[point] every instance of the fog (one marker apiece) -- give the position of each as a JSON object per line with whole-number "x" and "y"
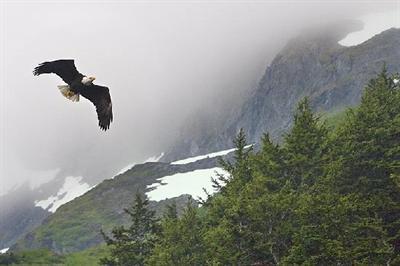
{"x": 163, "y": 62}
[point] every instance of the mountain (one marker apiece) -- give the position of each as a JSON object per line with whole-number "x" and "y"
{"x": 313, "y": 65}
{"x": 25, "y": 207}
{"x": 18, "y": 215}
{"x": 76, "y": 225}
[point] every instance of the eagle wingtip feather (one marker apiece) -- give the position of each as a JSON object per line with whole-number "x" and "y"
{"x": 39, "y": 69}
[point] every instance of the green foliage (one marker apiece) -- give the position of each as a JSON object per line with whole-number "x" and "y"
{"x": 335, "y": 229}
{"x": 226, "y": 217}
{"x": 32, "y": 257}
{"x": 368, "y": 145}
{"x": 334, "y": 119}
{"x": 239, "y": 169}
{"x": 87, "y": 257}
{"x": 132, "y": 245}
{"x": 181, "y": 241}
{"x": 305, "y": 147}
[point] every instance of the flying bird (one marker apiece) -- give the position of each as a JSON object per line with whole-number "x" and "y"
{"x": 79, "y": 84}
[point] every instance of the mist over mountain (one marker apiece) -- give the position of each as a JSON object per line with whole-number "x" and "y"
{"x": 312, "y": 65}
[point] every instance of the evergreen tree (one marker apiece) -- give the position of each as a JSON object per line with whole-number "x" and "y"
{"x": 269, "y": 161}
{"x": 171, "y": 212}
{"x": 239, "y": 171}
{"x": 181, "y": 241}
{"x": 270, "y": 210}
{"x": 338, "y": 217}
{"x": 132, "y": 245}
{"x": 279, "y": 173}
{"x": 305, "y": 147}
{"x": 336, "y": 230}
{"x": 368, "y": 148}
{"x": 227, "y": 238}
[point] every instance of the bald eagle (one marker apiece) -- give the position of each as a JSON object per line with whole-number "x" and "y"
{"x": 79, "y": 84}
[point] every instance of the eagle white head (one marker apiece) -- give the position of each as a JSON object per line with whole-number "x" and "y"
{"x": 88, "y": 80}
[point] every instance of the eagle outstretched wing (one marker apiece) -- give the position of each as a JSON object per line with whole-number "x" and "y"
{"x": 64, "y": 68}
{"x": 101, "y": 98}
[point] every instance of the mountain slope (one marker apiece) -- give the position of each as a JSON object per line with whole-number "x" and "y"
{"x": 76, "y": 225}
{"x": 18, "y": 215}
{"x": 25, "y": 207}
{"x": 312, "y": 65}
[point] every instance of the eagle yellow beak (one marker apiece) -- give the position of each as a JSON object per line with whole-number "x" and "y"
{"x": 92, "y": 78}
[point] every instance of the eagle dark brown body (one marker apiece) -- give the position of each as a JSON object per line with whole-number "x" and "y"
{"x": 79, "y": 84}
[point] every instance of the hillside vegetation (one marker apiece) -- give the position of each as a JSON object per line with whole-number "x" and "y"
{"x": 76, "y": 225}
{"x": 88, "y": 257}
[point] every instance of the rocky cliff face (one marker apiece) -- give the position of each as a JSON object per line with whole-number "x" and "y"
{"x": 313, "y": 65}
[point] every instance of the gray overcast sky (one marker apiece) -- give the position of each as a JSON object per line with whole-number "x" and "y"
{"x": 162, "y": 61}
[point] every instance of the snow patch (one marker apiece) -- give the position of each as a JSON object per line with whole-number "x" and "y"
{"x": 184, "y": 183}
{"x": 71, "y": 189}
{"x": 373, "y": 24}
{"x": 210, "y": 155}
{"x": 4, "y": 250}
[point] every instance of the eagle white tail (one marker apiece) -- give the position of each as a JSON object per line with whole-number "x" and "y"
{"x": 68, "y": 93}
